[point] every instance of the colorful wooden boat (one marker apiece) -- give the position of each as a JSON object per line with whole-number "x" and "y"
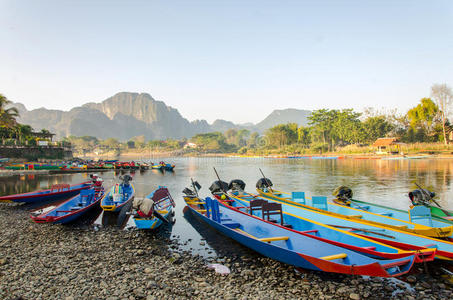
{"x": 291, "y": 247}
{"x": 73, "y": 208}
{"x": 161, "y": 212}
{"x": 169, "y": 167}
{"x": 157, "y": 167}
{"x": 385, "y": 233}
{"x": 119, "y": 195}
{"x": 438, "y": 214}
{"x": 56, "y": 192}
{"x": 325, "y": 233}
{"x": 386, "y": 219}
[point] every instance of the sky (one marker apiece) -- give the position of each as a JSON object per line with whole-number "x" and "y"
{"x": 233, "y": 59}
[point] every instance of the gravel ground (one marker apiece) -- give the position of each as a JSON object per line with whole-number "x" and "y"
{"x": 58, "y": 262}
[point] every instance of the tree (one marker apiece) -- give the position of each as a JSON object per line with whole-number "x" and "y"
{"x": 283, "y": 134}
{"x": 376, "y": 127}
{"x": 347, "y": 127}
{"x": 443, "y": 96}
{"x": 303, "y": 136}
{"x": 23, "y": 131}
{"x": 322, "y": 122}
{"x": 423, "y": 116}
{"x": 7, "y": 115}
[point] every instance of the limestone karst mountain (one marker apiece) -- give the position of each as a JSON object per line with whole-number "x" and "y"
{"x": 126, "y": 115}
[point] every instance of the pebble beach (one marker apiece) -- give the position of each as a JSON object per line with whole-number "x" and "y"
{"x": 62, "y": 262}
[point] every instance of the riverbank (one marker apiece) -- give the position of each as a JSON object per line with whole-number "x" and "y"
{"x": 59, "y": 262}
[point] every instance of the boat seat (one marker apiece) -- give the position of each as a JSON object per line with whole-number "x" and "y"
{"x": 273, "y": 239}
{"x": 319, "y": 202}
{"x": 270, "y": 209}
{"x": 421, "y": 212}
{"x": 232, "y": 225}
{"x": 256, "y": 204}
{"x": 335, "y": 256}
{"x": 298, "y": 197}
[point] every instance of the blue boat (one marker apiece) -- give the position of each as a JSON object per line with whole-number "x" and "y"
{"x": 73, "y": 208}
{"x": 251, "y": 205}
{"x": 159, "y": 211}
{"x": 396, "y": 220}
{"x": 381, "y": 233}
{"x": 56, "y": 192}
{"x": 119, "y": 195}
{"x": 169, "y": 167}
{"x": 291, "y": 247}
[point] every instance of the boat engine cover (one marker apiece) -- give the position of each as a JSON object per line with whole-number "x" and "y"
{"x": 263, "y": 183}
{"x": 236, "y": 185}
{"x": 218, "y": 187}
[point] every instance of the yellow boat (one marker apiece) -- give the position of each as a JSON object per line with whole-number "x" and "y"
{"x": 391, "y": 236}
{"x": 364, "y": 217}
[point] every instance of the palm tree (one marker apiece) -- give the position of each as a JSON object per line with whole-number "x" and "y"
{"x": 23, "y": 132}
{"x": 7, "y": 115}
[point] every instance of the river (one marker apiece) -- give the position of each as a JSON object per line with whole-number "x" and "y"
{"x": 380, "y": 181}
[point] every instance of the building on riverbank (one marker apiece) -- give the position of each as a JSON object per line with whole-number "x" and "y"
{"x": 387, "y": 145}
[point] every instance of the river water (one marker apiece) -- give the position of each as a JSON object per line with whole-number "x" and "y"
{"x": 380, "y": 181}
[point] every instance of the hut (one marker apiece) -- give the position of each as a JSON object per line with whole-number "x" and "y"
{"x": 386, "y": 145}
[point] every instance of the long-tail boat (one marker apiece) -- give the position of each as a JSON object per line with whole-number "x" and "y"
{"x": 289, "y": 246}
{"x": 158, "y": 210}
{"x": 439, "y": 215}
{"x": 56, "y": 192}
{"x": 236, "y": 199}
{"x": 391, "y": 236}
{"x": 438, "y": 228}
{"x": 73, "y": 208}
{"x": 119, "y": 195}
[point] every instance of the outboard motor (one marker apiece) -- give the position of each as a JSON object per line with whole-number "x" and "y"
{"x": 236, "y": 185}
{"x": 218, "y": 187}
{"x": 343, "y": 195}
{"x": 264, "y": 183}
{"x": 125, "y": 179}
{"x": 192, "y": 192}
{"x": 421, "y": 197}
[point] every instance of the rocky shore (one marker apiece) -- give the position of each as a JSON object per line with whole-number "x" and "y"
{"x": 59, "y": 262}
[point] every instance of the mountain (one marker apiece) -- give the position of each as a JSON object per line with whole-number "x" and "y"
{"x": 284, "y": 116}
{"x": 126, "y": 115}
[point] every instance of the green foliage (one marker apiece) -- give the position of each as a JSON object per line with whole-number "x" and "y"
{"x": 376, "y": 127}
{"x": 212, "y": 142}
{"x": 282, "y": 135}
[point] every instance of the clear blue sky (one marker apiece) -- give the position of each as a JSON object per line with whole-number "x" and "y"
{"x": 235, "y": 60}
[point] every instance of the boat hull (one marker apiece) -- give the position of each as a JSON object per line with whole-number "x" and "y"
{"x": 46, "y": 195}
{"x": 279, "y": 249}
{"x": 440, "y": 229}
{"x": 65, "y": 212}
{"x": 336, "y": 236}
{"x": 357, "y": 226}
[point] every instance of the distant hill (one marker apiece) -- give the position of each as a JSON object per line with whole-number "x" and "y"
{"x": 284, "y": 116}
{"x": 126, "y": 115}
